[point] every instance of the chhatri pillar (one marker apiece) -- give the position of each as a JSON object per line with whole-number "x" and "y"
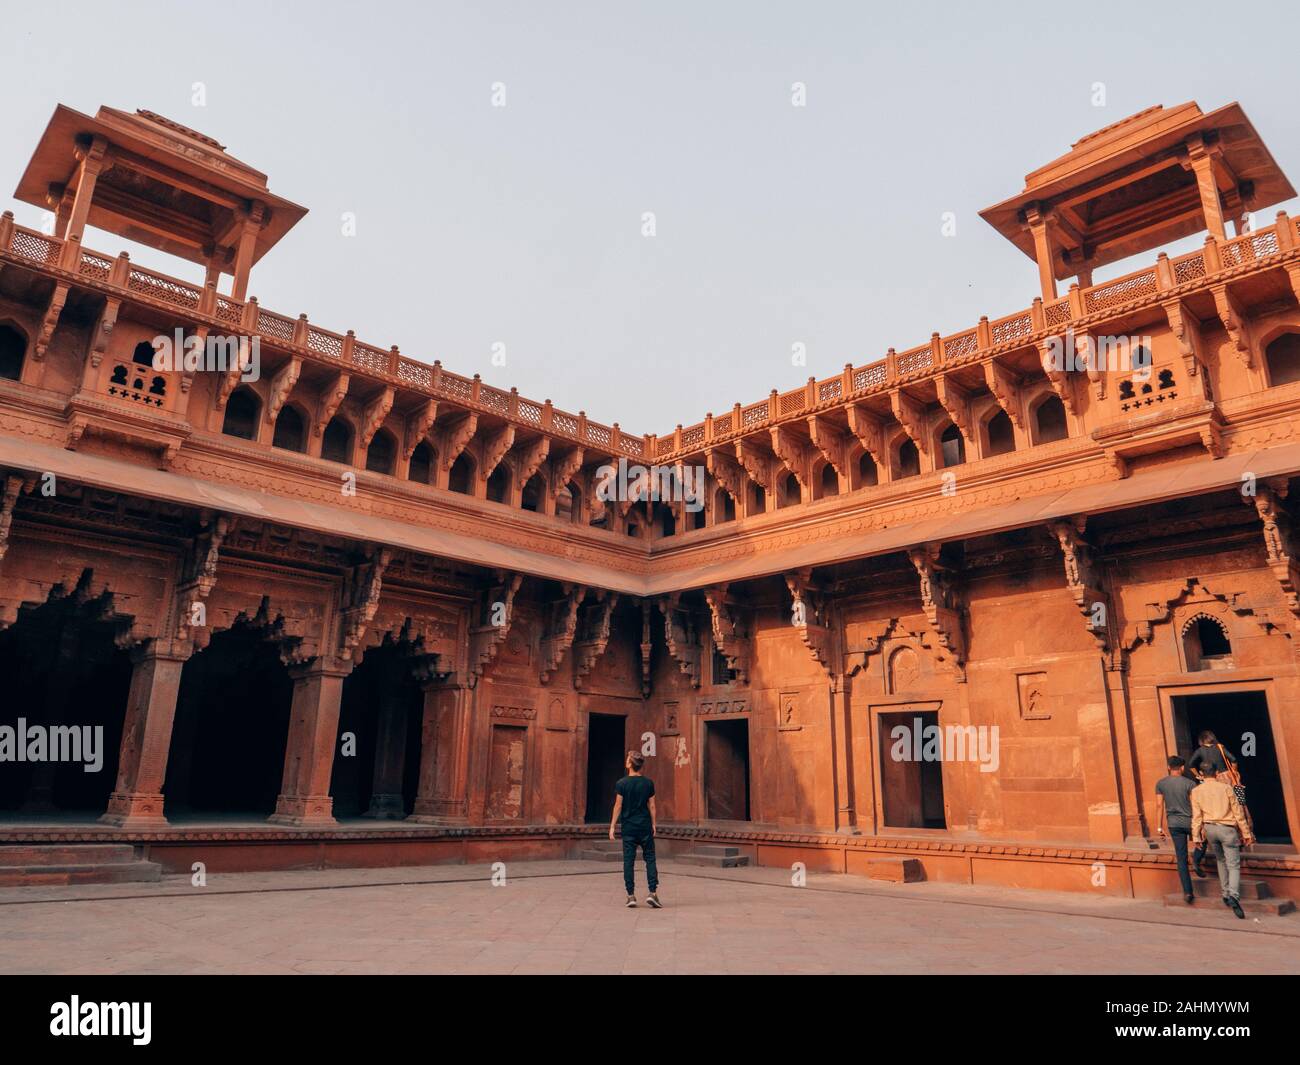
{"x": 250, "y": 225}
{"x": 1038, "y": 226}
{"x": 147, "y": 734}
{"x": 1200, "y": 160}
{"x": 309, "y": 753}
{"x": 90, "y": 161}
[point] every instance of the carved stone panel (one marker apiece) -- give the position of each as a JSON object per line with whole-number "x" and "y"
{"x": 1035, "y": 704}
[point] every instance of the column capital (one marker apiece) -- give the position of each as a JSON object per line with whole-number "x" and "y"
{"x": 167, "y": 650}
{"x": 321, "y": 666}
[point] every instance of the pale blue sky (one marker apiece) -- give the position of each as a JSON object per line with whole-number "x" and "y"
{"x": 522, "y": 225}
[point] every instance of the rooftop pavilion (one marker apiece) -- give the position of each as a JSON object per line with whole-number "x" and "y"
{"x": 1152, "y": 178}
{"x": 161, "y": 184}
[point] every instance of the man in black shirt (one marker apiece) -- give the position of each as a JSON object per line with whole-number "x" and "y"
{"x": 634, "y": 806}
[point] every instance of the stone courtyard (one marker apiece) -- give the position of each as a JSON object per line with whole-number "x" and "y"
{"x": 569, "y": 917}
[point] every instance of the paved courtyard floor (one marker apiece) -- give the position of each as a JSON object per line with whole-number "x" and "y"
{"x": 568, "y": 917}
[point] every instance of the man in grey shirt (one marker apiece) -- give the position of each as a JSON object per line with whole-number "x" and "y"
{"x": 1175, "y": 794}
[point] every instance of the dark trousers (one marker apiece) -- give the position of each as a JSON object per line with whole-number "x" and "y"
{"x": 1180, "y": 836}
{"x": 643, "y": 838}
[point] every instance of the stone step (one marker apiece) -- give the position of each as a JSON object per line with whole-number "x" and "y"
{"x": 601, "y": 855}
{"x": 1265, "y": 907}
{"x": 896, "y": 870}
{"x": 106, "y": 873}
{"x": 1208, "y": 887}
{"x": 717, "y": 849}
{"x": 714, "y": 861}
{"x": 28, "y": 855}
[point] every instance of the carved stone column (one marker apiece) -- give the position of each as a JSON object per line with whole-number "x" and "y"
{"x": 147, "y": 735}
{"x": 442, "y": 794}
{"x": 842, "y": 753}
{"x": 309, "y": 753}
{"x": 386, "y": 801}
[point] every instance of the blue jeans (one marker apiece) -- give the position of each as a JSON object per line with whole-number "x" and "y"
{"x": 1179, "y": 837}
{"x": 643, "y": 838}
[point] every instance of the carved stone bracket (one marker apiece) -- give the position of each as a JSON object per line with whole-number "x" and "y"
{"x": 418, "y": 424}
{"x": 372, "y": 417}
{"x": 231, "y": 376}
{"x": 1005, "y": 386}
{"x": 646, "y": 646}
{"x": 596, "y": 627}
{"x": 940, "y": 604}
{"x": 563, "y": 468}
{"x": 681, "y": 637}
{"x": 562, "y": 631}
{"x": 14, "y": 485}
{"x": 1081, "y": 576}
{"x": 758, "y": 464}
{"x": 331, "y": 398}
{"x": 1057, "y": 376}
{"x": 831, "y": 442}
{"x": 49, "y": 320}
{"x": 910, "y": 413}
{"x": 495, "y": 448}
{"x": 454, "y": 438}
{"x": 810, "y": 616}
{"x": 869, "y": 430}
{"x": 728, "y": 633}
{"x": 795, "y": 456}
{"x": 1278, "y": 540}
{"x": 281, "y": 386}
{"x": 360, "y": 600}
{"x": 956, "y": 401}
{"x": 1186, "y": 327}
{"x": 103, "y": 331}
{"x": 727, "y": 472}
{"x": 530, "y": 459}
{"x": 1236, "y": 323}
{"x": 198, "y": 577}
{"x": 486, "y": 640}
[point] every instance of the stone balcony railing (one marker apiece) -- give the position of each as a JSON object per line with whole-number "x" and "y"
{"x": 120, "y": 278}
{"x": 1167, "y": 278}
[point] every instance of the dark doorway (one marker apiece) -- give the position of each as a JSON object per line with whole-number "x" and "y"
{"x": 1240, "y": 721}
{"x": 379, "y": 734}
{"x": 911, "y": 786}
{"x": 231, "y": 727}
{"x": 63, "y": 671}
{"x": 605, "y": 755}
{"x": 726, "y": 770}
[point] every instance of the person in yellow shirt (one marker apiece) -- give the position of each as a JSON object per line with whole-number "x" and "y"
{"x": 1219, "y": 822}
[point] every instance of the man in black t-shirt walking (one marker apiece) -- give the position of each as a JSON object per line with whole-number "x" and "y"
{"x": 634, "y": 807}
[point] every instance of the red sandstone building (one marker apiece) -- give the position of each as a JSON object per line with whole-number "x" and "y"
{"x": 365, "y": 610}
